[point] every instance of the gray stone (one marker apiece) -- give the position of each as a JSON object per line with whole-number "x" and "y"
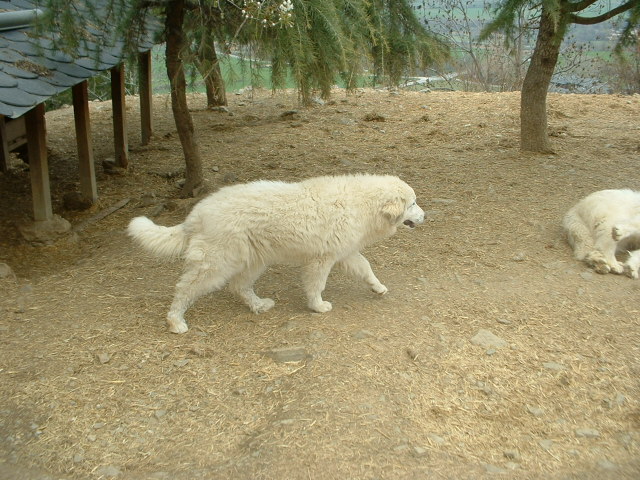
{"x": 546, "y": 444}
{"x": 519, "y": 257}
{"x": 587, "y": 433}
{"x": 45, "y": 231}
{"x": 76, "y": 201}
{"x": 535, "y": 411}
{"x": 287, "y": 354}
{"x": 362, "y": 334}
{"x": 512, "y": 455}
{"x": 103, "y": 357}
{"x": 486, "y": 339}
{"x": 436, "y": 439}
{"x": 6, "y": 272}
{"x": 607, "y": 465}
{"x": 419, "y": 451}
{"x": 108, "y": 471}
{"x": 493, "y": 468}
{"x": 553, "y": 366}
{"x": 586, "y": 276}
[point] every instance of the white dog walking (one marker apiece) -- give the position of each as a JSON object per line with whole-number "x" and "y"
{"x": 603, "y": 225}
{"x": 234, "y": 234}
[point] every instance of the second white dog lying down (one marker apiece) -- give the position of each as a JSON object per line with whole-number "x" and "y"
{"x": 603, "y": 225}
{"x": 235, "y": 233}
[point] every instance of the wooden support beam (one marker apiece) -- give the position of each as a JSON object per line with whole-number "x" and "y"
{"x": 121, "y": 143}
{"x": 146, "y": 96}
{"x": 38, "y": 163}
{"x": 88, "y": 188}
{"x": 4, "y": 148}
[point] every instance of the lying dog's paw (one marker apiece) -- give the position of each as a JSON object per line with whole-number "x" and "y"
{"x": 380, "y": 289}
{"x": 617, "y": 268}
{"x": 631, "y": 272}
{"x": 596, "y": 260}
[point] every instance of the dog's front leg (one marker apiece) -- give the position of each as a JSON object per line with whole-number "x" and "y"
{"x": 358, "y": 266}
{"x": 314, "y": 279}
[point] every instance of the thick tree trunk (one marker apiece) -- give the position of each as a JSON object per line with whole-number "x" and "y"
{"x": 182, "y": 117}
{"x": 209, "y": 67}
{"x": 533, "y": 101}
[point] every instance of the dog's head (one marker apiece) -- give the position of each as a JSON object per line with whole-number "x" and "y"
{"x": 401, "y": 208}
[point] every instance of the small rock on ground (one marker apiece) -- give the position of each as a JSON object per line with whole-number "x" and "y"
{"x": 487, "y": 339}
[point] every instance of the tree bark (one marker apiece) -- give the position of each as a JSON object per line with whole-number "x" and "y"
{"x": 174, "y": 19}
{"x": 533, "y": 100}
{"x": 209, "y": 67}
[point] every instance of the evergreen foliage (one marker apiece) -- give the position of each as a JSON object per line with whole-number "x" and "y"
{"x": 565, "y": 12}
{"x": 315, "y": 42}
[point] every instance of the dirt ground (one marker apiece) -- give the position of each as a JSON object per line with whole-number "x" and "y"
{"x": 93, "y": 385}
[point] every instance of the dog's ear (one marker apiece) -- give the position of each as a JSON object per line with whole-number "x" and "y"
{"x": 393, "y": 209}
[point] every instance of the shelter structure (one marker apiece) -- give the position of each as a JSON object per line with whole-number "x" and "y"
{"x": 32, "y": 70}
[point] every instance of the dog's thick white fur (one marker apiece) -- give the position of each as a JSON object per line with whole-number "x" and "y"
{"x": 235, "y": 233}
{"x": 603, "y": 225}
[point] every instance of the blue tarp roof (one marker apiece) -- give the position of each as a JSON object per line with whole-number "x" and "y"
{"x": 32, "y": 70}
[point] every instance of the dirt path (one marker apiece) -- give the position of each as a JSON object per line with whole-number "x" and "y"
{"x": 93, "y": 386}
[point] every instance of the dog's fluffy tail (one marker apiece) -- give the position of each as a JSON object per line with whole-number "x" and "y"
{"x": 167, "y": 242}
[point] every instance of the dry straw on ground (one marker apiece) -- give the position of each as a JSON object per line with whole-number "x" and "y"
{"x": 93, "y": 386}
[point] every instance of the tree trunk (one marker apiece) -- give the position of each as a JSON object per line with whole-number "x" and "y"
{"x": 182, "y": 117}
{"x": 209, "y": 68}
{"x": 533, "y": 100}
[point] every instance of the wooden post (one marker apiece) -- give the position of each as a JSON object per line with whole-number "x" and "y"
{"x": 38, "y": 163}
{"x": 88, "y": 188}
{"x": 121, "y": 143}
{"x": 146, "y": 96}
{"x": 4, "y": 149}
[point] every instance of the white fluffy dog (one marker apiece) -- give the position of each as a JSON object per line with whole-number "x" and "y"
{"x": 603, "y": 225}
{"x": 235, "y": 233}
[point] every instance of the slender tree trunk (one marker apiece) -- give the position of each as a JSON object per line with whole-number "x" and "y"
{"x": 533, "y": 101}
{"x": 182, "y": 117}
{"x": 209, "y": 67}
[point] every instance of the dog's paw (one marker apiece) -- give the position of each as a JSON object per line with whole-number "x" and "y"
{"x": 321, "y": 307}
{"x": 617, "y": 267}
{"x": 596, "y": 260}
{"x": 178, "y": 327}
{"x": 631, "y": 271}
{"x": 262, "y": 305}
{"x": 379, "y": 289}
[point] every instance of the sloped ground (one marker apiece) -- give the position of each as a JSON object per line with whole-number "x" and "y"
{"x": 93, "y": 386}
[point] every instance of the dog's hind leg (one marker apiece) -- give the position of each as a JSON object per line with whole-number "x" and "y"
{"x": 314, "y": 280}
{"x": 358, "y": 266}
{"x": 606, "y": 245}
{"x": 198, "y": 279}
{"x": 242, "y": 285}
{"x": 579, "y": 236}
